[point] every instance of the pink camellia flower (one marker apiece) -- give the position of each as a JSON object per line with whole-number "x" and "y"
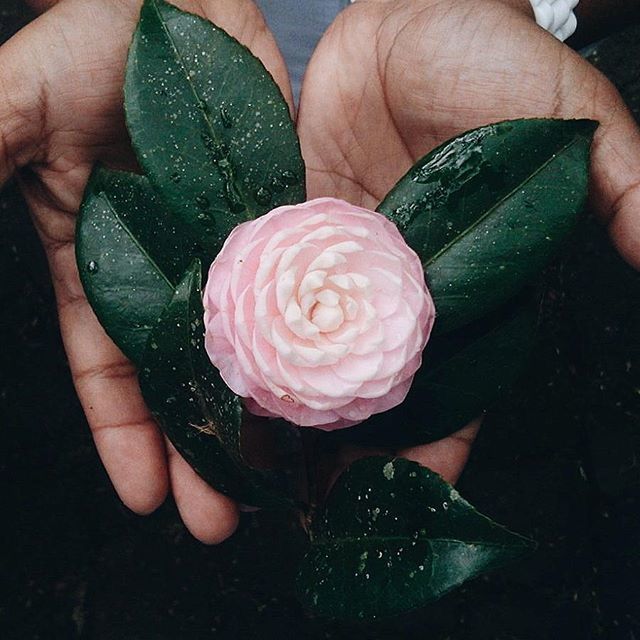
{"x": 317, "y": 313}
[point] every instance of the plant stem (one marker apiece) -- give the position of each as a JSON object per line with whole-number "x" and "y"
{"x": 311, "y": 445}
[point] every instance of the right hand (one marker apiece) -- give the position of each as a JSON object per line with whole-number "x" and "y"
{"x": 392, "y": 79}
{"x": 61, "y": 111}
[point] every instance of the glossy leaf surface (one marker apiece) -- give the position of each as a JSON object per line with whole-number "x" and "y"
{"x": 487, "y": 210}
{"x": 197, "y": 411}
{"x": 394, "y": 536}
{"x": 130, "y": 256}
{"x": 208, "y": 123}
{"x": 464, "y": 374}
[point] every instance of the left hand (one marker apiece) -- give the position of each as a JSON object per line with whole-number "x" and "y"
{"x": 61, "y": 111}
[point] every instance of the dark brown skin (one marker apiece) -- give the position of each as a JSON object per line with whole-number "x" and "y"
{"x": 390, "y": 80}
{"x": 61, "y": 83}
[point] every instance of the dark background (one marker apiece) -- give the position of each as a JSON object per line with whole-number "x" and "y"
{"x": 558, "y": 460}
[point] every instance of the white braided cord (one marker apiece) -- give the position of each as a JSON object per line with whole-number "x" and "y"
{"x": 556, "y": 16}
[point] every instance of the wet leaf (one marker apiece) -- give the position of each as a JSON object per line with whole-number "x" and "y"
{"x": 197, "y": 411}
{"x": 464, "y": 373}
{"x": 130, "y": 256}
{"x": 209, "y": 125}
{"x": 394, "y": 536}
{"x": 472, "y": 377}
{"x": 487, "y": 210}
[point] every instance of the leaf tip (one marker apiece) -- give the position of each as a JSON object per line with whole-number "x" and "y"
{"x": 586, "y": 126}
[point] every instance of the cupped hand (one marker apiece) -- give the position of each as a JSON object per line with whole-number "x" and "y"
{"x": 61, "y": 111}
{"x": 391, "y": 79}
{"x": 388, "y": 82}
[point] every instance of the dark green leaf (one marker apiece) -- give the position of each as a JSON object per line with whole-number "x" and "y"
{"x": 209, "y": 125}
{"x": 464, "y": 373}
{"x": 197, "y": 411}
{"x": 394, "y": 536}
{"x": 130, "y": 256}
{"x": 486, "y": 211}
{"x": 461, "y": 387}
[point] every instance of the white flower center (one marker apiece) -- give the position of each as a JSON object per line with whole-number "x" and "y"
{"x": 327, "y": 317}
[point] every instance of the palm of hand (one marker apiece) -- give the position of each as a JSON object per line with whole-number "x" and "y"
{"x": 392, "y": 79}
{"x": 386, "y": 84}
{"x": 67, "y": 108}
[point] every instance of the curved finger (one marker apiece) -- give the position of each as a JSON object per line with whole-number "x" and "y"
{"x": 210, "y": 516}
{"x": 528, "y": 74}
{"x": 126, "y": 435}
{"x": 624, "y": 227}
{"x": 615, "y": 157}
{"x": 447, "y": 456}
{"x": 40, "y": 6}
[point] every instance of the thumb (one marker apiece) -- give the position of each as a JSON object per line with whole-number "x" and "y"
{"x": 615, "y": 159}
{"x": 616, "y": 182}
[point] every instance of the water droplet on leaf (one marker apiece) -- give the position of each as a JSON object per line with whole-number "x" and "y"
{"x": 277, "y": 185}
{"x": 202, "y": 201}
{"x": 289, "y": 178}
{"x": 233, "y": 198}
{"x": 225, "y": 116}
{"x": 404, "y": 213}
{"x": 263, "y": 196}
{"x": 202, "y": 105}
